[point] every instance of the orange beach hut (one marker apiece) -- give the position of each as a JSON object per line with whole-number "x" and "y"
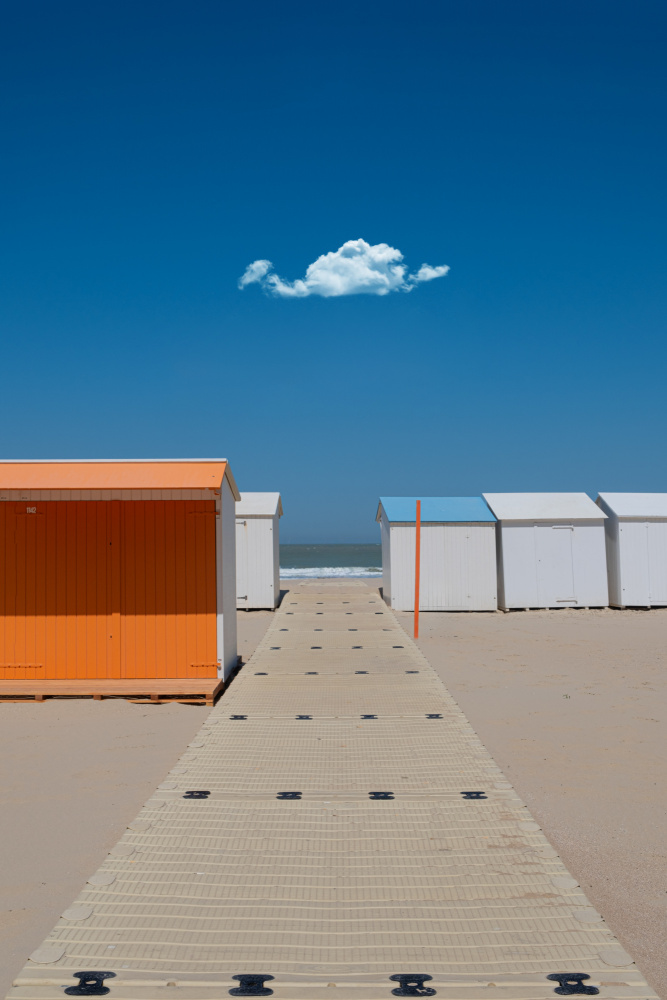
{"x": 117, "y": 577}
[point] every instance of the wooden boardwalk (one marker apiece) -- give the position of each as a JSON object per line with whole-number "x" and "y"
{"x": 338, "y": 830}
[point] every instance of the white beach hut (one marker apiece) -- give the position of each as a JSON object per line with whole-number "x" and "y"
{"x": 551, "y": 550}
{"x": 636, "y": 536}
{"x": 457, "y": 554}
{"x": 257, "y": 550}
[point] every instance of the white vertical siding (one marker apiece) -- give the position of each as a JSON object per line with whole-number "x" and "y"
{"x": 258, "y": 573}
{"x": 519, "y": 565}
{"x": 636, "y": 557}
{"x": 458, "y": 567}
{"x": 402, "y": 541}
{"x": 500, "y": 575}
{"x": 276, "y": 561}
{"x": 634, "y": 563}
{"x": 590, "y": 564}
{"x": 657, "y": 554}
{"x": 551, "y": 564}
{"x": 385, "y": 537}
{"x": 554, "y": 550}
{"x": 227, "y": 644}
{"x": 241, "y": 563}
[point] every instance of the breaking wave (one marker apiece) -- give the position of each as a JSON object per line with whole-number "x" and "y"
{"x": 317, "y": 572}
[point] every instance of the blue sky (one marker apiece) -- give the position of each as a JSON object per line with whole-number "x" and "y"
{"x": 152, "y": 150}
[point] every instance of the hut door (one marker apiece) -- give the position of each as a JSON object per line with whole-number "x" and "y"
{"x": 168, "y": 614}
{"x": 657, "y": 561}
{"x": 242, "y": 564}
{"x": 555, "y": 570}
{"x": 58, "y": 591}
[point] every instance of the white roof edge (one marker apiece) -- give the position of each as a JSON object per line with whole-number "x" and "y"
{"x": 231, "y": 481}
{"x": 260, "y": 504}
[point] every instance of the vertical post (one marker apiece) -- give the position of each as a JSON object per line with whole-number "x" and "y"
{"x": 418, "y": 531}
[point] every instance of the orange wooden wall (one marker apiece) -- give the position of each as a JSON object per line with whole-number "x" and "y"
{"x": 108, "y": 589}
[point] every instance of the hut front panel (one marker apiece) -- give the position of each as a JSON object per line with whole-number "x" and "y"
{"x": 167, "y": 614}
{"x": 457, "y": 571}
{"x": 255, "y": 562}
{"x": 551, "y": 564}
{"x": 242, "y": 590}
{"x": 58, "y": 593}
{"x": 458, "y": 567}
{"x": 589, "y": 558}
{"x": 95, "y": 589}
{"x": 554, "y": 564}
{"x": 518, "y": 563}
{"x": 402, "y": 567}
{"x": 633, "y": 583}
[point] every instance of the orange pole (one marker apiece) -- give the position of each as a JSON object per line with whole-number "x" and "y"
{"x": 418, "y": 532}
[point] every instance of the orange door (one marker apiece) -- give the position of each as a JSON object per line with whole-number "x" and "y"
{"x": 107, "y": 589}
{"x": 168, "y": 589}
{"x": 54, "y": 601}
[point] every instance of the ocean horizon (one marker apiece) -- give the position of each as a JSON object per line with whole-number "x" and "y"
{"x": 335, "y": 560}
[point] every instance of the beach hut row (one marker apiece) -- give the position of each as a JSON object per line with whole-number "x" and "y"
{"x": 525, "y": 550}
{"x": 116, "y": 573}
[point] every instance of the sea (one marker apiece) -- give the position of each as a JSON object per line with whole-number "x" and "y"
{"x": 314, "y": 561}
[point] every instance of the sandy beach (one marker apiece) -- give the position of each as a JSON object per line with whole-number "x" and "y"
{"x": 573, "y": 704}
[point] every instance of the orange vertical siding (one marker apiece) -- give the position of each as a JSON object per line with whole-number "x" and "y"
{"x": 107, "y": 589}
{"x": 168, "y": 610}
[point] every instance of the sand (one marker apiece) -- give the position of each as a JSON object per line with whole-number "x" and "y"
{"x": 573, "y": 704}
{"x": 73, "y": 773}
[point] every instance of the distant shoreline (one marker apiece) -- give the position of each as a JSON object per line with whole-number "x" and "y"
{"x": 320, "y": 573}
{"x": 337, "y": 561}
{"x": 299, "y": 579}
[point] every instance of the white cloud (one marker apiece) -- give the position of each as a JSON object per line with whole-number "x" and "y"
{"x": 356, "y": 268}
{"x": 428, "y": 273}
{"x": 255, "y": 272}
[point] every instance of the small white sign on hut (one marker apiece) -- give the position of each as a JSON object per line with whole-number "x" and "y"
{"x": 457, "y": 554}
{"x": 258, "y": 550}
{"x": 551, "y": 550}
{"x": 636, "y": 535}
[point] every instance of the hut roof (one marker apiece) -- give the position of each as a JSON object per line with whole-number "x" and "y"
{"x": 435, "y": 509}
{"x": 259, "y": 505}
{"x": 636, "y": 504}
{"x": 543, "y": 506}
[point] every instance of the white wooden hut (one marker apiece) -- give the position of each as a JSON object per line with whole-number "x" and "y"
{"x": 258, "y": 550}
{"x": 551, "y": 550}
{"x": 457, "y": 554}
{"x": 636, "y": 536}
